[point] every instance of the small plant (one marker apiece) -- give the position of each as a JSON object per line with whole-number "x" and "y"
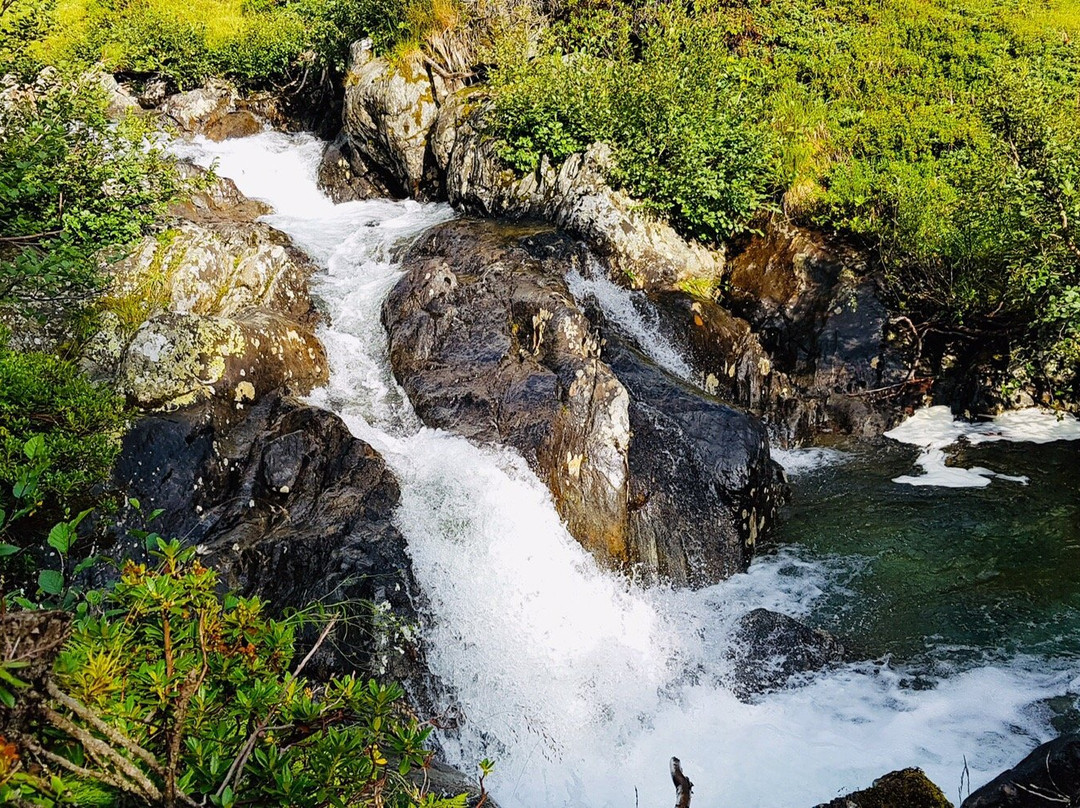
{"x": 167, "y": 692}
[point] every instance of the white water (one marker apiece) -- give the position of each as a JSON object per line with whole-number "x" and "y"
{"x": 934, "y": 429}
{"x": 579, "y": 687}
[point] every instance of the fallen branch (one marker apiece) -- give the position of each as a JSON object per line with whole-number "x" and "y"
{"x": 683, "y": 786}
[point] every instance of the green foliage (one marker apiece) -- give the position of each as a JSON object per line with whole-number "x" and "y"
{"x": 71, "y": 187}
{"x": 195, "y": 691}
{"x": 256, "y": 43}
{"x": 659, "y": 85}
{"x": 59, "y": 435}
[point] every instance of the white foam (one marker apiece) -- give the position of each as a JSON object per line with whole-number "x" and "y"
{"x": 632, "y": 313}
{"x": 806, "y": 460}
{"x": 577, "y": 684}
{"x": 935, "y": 430}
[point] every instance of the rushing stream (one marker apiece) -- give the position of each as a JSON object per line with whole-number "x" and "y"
{"x": 581, "y": 688}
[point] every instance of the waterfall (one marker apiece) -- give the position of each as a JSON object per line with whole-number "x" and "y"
{"x": 579, "y": 686}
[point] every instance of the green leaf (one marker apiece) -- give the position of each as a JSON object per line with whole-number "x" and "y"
{"x": 134, "y": 503}
{"x": 7, "y": 698}
{"x": 7, "y": 549}
{"x": 35, "y": 447}
{"x": 61, "y": 537}
{"x": 51, "y": 582}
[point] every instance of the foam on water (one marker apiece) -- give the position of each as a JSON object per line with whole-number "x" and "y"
{"x": 578, "y": 684}
{"x": 807, "y": 460}
{"x": 934, "y": 429}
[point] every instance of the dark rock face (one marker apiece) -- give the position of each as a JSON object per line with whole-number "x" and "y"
{"x": 287, "y": 505}
{"x": 770, "y": 648}
{"x": 650, "y": 475}
{"x": 908, "y": 788}
{"x": 346, "y": 176}
{"x": 805, "y": 340}
{"x": 1048, "y": 776}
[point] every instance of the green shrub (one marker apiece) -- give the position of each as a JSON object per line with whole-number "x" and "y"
{"x": 72, "y": 188}
{"x": 660, "y": 86}
{"x": 74, "y": 427}
{"x": 168, "y": 693}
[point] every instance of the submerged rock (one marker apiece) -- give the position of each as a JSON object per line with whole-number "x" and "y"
{"x": 650, "y": 475}
{"x": 290, "y": 506}
{"x": 908, "y": 788}
{"x": 1050, "y": 775}
{"x": 770, "y": 648}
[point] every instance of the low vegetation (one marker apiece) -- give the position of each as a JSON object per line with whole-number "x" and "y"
{"x": 940, "y": 133}
{"x": 168, "y": 693}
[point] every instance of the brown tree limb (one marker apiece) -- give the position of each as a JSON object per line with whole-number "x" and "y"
{"x": 683, "y": 786}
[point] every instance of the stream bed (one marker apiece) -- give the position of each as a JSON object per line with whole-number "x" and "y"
{"x": 963, "y": 602}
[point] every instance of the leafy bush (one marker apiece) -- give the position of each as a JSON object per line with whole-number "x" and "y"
{"x": 168, "y": 693}
{"x": 71, "y": 186}
{"x": 663, "y": 90}
{"x": 59, "y": 436}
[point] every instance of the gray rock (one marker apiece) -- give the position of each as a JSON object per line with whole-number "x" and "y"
{"x": 287, "y": 505}
{"x": 770, "y": 648}
{"x": 176, "y": 360}
{"x": 650, "y": 476}
{"x": 346, "y": 176}
{"x": 390, "y": 110}
{"x": 219, "y": 201}
{"x": 1050, "y": 775}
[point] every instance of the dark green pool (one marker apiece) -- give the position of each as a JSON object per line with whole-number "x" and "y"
{"x": 946, "y": 576}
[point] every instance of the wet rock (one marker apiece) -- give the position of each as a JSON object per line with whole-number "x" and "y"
{"x": 702, "y": 487}
{"x": 345, "y": 176}
{"x": 290, "y": 506}
{"x": 650, "y": 476}
{"x": 175, "y": 360}
{"x": 219, "y": 201}
{"x": 447, "y": 782}
{"x": 1048, "y": 776}
{"x": 908, "y": 788}
{"x": 803, "y": 338}
{"x": 390, "y": 109}
{"x": 770, "y": 648}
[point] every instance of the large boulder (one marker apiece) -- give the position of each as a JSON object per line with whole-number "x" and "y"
{"x": 212, "y": 111}
{"x": 175, "y": 360}
{"x": 1050, "y": 775}
{"x": 216, "y": 268}
{"x": 650, "y": 475}
{"x": 769, "y": 649}
{"x": 390, "y": 110}
{"x": 288, "y": 505}
{"x": 214, "y": 200}
{"x": 907, "y": 788}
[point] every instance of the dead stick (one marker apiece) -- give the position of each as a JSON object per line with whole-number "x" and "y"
{"x": 683, "y": 786}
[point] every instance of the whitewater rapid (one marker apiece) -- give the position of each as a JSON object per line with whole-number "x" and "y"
{"x": 579, "y": 687}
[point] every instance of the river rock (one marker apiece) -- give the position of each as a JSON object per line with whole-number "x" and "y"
{"x": 1050, "y": 775}
{"x": 345, "y": 176}
{"x": 287, "y": 505}
{"x": 908, "y": 788}
{"x": 215, "y": 268}
{"x": 217, "y": 200}
{"x": 650, "y": 476}
{"x": 770, "y": 648}
{"x": 390, "y": 109}
{"x": 212, "y": 111}
{"x": 175, "y": 360}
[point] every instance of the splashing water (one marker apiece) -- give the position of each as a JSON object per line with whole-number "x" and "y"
{"x": 580, "y": 686}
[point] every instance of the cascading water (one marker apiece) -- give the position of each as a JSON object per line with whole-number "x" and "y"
{"x": 578, "y": 685}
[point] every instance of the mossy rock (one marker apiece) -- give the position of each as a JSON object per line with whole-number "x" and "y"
{"x": 907, "y": 788}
